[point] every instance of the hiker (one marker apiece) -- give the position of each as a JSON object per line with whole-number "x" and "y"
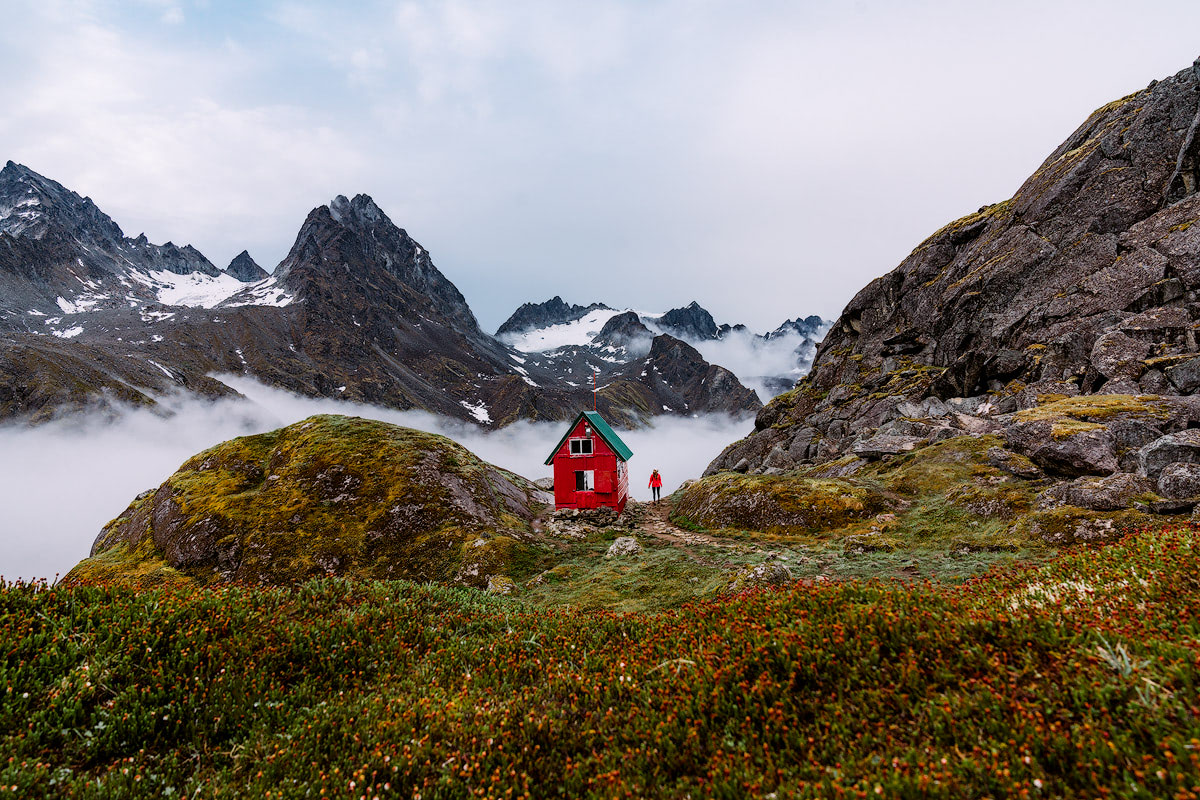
{"x": 656, "y": 484}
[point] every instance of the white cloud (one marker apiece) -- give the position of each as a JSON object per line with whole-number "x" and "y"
{"x": 61, "y": 483}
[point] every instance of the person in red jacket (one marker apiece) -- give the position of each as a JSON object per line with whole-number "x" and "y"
{"x": 656, "y": 484}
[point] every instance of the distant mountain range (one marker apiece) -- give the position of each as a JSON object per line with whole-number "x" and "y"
{"x": 596, "y": 335}
{"x": 357, "y": 310}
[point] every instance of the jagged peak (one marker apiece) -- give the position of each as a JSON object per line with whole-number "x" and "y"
{"x": 362, "y": 209}
{"x": 245, "y": 268}
{"x": 693, "y": 320}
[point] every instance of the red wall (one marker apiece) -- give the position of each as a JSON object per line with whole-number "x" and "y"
{"x": 603, "y": 462}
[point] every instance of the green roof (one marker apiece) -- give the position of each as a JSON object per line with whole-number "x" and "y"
{"x": 601, "y": 427}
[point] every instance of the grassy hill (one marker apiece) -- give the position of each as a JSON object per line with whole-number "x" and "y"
{"x": 1076, "y": 677}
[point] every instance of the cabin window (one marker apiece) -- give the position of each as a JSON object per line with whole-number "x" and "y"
{"x": 585, "y": 480}
{"x": 581, "y": 447}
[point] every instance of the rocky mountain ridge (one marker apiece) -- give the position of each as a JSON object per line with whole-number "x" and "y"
{"x": 1063, "y": 320}
{"x": 357, "y": 310}
{"x": 581, "y": 339}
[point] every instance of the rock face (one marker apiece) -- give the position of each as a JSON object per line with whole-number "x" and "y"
{"x": 690, "y": 322}
{"x": 625, "y": 331}
{"x": 60, "y": 253}
{"x": 683, "y": 382}
{"x": 329, "y": 495}
{"x": 1085, "y": 282}
{"x": 245, "y": 269}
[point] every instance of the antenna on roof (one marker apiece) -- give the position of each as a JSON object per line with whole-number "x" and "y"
{"x": 595, "y": 380}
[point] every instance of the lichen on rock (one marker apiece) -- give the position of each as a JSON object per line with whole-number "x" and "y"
{"x": 329, "y": 495}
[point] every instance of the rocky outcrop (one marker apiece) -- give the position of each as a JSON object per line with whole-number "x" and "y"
{"x": 245, "y": 269}
{"x": 780, "y": 505}
{"x": 540, "y": 315}
{"x": 682, "y": 382}
{"x": 690, "y": 322}
{"x": 622, "y": 547}
{"x": 1085, "y": 282}
{"x": 625, "y": 331}
{"x": 327, "y": 496}
{"x": 761, "y": 576}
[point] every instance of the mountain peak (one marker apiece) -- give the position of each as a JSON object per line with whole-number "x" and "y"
{"x": 554, "y": 311}
{"x": 351, "y": 245}
{"x": 361, "y": 211}
{"x": 691, "y": 322}
{"x": 245, "y": 269}
{"x": 30, "y": 204}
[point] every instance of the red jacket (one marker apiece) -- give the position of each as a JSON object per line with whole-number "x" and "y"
{"x": 655, "y": 480}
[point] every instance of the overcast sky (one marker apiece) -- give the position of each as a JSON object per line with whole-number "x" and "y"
{"x": 767, "y": 159}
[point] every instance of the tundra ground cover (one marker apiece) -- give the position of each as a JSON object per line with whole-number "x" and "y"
{"x": 1077, "y": 677}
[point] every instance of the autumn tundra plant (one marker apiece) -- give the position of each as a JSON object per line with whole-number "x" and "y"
{"x": 1073, "y": 678}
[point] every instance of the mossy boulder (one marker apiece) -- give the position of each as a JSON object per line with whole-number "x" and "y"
{"x": 1071, "y": 525}
{"x": 330, "y": 495}
{"x": 759, "y": 576}
{"x": 1110, "y": 493}
{"x": 779, "y": 504}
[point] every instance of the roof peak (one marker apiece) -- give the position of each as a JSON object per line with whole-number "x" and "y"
{"x": 602, "y": 428}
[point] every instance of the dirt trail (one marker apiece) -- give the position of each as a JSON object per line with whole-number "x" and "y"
{"x": 654, "y": 522}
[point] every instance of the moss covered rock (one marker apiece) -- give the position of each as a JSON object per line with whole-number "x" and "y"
{"x": 780, "y": 504}
{"x": 328, "y": 495}
{"x": 1071, "y": 525}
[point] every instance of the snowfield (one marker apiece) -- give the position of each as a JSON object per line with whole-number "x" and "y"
{"x": 577, "y": 333}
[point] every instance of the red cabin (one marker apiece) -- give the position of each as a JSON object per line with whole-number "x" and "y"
{"x": 589, "y": 465}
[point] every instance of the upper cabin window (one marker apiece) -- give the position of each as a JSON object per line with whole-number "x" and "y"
{"x": 581, "y": 447}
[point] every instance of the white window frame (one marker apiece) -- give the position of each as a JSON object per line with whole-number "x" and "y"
{"x": 591, "y": 447}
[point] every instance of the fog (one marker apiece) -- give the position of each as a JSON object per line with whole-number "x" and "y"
{"x": 60, "y": 483}
{"x": 752, "y": 359}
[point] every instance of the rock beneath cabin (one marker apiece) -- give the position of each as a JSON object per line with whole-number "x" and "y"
{"x": 1179, "y": 481}
{"x": 624, "y": 546}
{"x": 1180, "y": 447}
{"x": 545, "y": 483}
{"x": 1109, "y": 493}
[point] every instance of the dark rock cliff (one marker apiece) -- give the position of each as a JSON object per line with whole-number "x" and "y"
{"x": 245, "y": 268}
{"x": 691, "y": 322}
{"x": 1087, "y": 280}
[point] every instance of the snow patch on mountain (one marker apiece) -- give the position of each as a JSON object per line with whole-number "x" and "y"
{"x": 268, "y": 292}
{"x": 578, "y": 333}
{"x": 194, "y": 289}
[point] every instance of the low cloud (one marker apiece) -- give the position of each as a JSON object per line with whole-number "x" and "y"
{"x": 753, "y": 359}
{"x": 60, "y": 483}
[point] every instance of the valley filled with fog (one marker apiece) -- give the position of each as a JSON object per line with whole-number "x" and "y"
{"x": 61, "y": 482}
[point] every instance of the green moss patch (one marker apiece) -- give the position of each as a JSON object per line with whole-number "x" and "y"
{"x": 777, "y": 504}
{"x": 1096, "y": 408}
{"x": 333, "y": 495}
